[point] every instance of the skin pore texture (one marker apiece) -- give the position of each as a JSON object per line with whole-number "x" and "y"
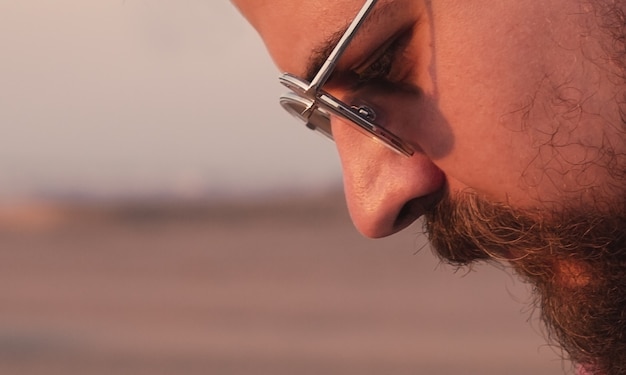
{"x": 516, "y": 111}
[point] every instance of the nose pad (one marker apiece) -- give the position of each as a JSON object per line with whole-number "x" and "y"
{"x": 365, "y": 111}
{"x": 385, "y": 192}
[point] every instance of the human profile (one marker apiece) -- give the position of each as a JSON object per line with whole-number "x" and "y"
{"x": 503, "y": 124}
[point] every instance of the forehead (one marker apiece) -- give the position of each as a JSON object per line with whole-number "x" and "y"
{"x": 292, "y": 30}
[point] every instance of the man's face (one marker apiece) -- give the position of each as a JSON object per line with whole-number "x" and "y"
{"x": 514, "y": 108}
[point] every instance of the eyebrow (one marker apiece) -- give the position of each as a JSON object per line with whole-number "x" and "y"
{"x": 321, "y": 53}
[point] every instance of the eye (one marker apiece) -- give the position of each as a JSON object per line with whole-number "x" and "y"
{"x": 380, "y": 65}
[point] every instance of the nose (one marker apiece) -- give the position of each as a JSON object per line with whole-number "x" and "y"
{"x": 385, "y": 191}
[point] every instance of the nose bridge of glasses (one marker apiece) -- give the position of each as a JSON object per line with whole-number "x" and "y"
{"x": 316, "y": 119}
{"x": 308, "y": 111}
{"x": 307, "y": 100}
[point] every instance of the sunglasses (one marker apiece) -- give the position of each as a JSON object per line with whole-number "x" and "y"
{"x": 312, "y": 105}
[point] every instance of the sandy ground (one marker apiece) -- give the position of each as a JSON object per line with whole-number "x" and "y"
{"x": 272, "y": 288}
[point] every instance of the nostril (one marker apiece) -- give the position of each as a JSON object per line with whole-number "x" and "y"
{"x": 410, "y": 212}
{"x": 415, "y": 208}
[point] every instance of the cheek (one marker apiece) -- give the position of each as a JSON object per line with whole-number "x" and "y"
{"x": 501, "y": 72}
{"x": 482, "y": 75}
{"x": 472, "y": 146}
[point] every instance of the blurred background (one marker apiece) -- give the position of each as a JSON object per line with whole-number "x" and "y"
{"x": 160, "y": 214}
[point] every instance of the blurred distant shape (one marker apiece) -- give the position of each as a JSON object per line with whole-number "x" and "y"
{"x": 138, "y": 98}
{"x": 277, "y": 287}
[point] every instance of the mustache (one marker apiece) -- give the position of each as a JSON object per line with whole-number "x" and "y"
{"x": 574, "y": 258}
{"x": 466, "y": 227}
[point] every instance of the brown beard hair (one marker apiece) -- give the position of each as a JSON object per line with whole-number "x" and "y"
{"x": 574, "y": 259}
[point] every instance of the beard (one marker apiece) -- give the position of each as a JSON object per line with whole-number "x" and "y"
{"x": 575, "y": 259}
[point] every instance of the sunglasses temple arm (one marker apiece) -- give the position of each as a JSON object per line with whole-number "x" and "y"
{"x": 323, "y": 74}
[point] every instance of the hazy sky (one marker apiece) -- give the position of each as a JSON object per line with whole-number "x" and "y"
{"x": 144, "y": 97}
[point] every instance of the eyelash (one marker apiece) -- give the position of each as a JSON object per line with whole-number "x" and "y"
{"x": 380, "y": 69}
{"x": 382, "y": 63}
